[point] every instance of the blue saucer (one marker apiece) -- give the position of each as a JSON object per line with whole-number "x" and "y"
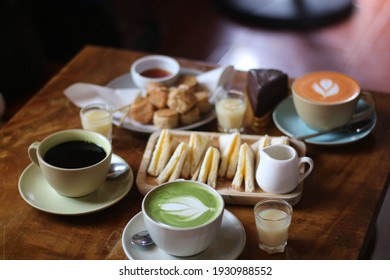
{"x": 287, "y": 121}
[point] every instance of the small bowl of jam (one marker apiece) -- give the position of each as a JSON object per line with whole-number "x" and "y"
{"x": 154, "y": 68}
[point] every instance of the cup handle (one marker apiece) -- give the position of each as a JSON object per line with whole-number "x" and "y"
{"x": 367, "y": 97}
{"x": 32, "y": 152}
{"x": 309, "y": 162}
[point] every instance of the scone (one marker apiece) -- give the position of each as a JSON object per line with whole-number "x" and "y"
{"x": 157, "y": 94}
{"x": 181, "y": 99}
{"x": 142, "y": 110}
{"x": 189, "y": 81}
{"x": 191, "y": 116}
{"x": 165, "y": 118}
{"x": 203, "y": 101}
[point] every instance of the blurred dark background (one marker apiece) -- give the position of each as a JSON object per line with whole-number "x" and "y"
{"x": 39, "y": 37}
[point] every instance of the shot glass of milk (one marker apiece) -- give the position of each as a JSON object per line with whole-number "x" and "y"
{"x": 273, "y": 218}
{"x": 230, "y": 106}
{"x": 98, "y": 118}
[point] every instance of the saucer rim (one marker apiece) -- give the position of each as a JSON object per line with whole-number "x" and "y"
{"x": 92, "y": 209}
{"x": 157, "y": 252}
{"x": 347, "y": 138}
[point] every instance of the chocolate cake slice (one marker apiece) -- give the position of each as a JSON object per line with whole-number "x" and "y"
{"x": 266, "y": 88}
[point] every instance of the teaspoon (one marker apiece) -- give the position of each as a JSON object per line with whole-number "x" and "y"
{"x": 117, "y": 169}
{"x": 142, "y": 238}
{"x": 357, "y": 127}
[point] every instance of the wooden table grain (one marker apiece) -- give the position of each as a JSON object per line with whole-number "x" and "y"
{"x": 333, "y": 220}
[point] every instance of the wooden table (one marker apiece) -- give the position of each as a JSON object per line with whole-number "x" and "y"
{"x": 333, "y": 220}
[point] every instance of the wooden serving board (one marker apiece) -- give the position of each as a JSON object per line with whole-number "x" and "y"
{"x": 145, "y": 182}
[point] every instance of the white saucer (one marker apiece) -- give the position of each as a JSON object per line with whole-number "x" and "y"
{"x": 228, "y": 244}
{"x": 125, "y": 81}
{"x": 287, "y": 121}
{"x": 35, "y": 190}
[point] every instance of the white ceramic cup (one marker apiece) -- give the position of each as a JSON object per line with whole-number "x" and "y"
{"x": 279, "y": 169}
{"x": 72, "y": 182}
{"x": 183, "y": 217}
{"x": 165, "y": 65}
{"x": 326, "y": 100}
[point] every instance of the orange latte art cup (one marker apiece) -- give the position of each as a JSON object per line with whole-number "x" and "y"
{"x": 326, "y": 100}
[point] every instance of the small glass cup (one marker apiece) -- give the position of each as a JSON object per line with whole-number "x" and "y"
{"x": 230, "y": 106}
{"x": 273, "y": 218}
{"x": 98, "y": 118}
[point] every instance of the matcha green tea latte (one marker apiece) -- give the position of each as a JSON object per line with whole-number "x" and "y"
{"x": 183, "y": 204}
{"x": 183, "y": 217}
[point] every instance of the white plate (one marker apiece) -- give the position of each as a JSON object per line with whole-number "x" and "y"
{"x": 125, "y": 81}
{"x": 35, "y": 190}
{"x": 228, "y": 244}
{"x": 287, "y": 121}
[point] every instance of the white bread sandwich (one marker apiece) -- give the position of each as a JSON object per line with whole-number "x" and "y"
{"x": 260, "y": 144}
{"x": 280, "y": 140}
{"x": 197, "y": 147}
{"x": 229, "y": 145}
{"x": 208, "y": 170}
{"x": 266, "y": 141}
{"x": 161, "y": 153}
{"x": 175, "y": 164}
{"x": 245, "y": 169}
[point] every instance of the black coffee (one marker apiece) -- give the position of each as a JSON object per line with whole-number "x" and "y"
{"x": 74, "y": 154}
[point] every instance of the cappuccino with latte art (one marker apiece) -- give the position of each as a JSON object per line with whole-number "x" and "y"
{"x": 326, "y": 87}
{"x": 327, "y": 100}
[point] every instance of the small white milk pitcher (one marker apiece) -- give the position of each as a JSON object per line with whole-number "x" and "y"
{"x": 280, "y": 169}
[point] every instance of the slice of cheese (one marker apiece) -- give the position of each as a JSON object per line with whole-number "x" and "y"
{"x": 229, "y": 145}
{"x": 245, "y": 169}
{"x": 161, "y": 153}
{"x": 174, "y": 165}
{"x": 233, "y": 160}
{"x": 239, "y": 176}
{"x": 213, "y": 172}
{"x": 249, "y": 170}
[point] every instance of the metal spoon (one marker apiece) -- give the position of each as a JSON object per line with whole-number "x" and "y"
{"x": 142, "y": 238}
{"x": 356, "y": 126}
{"x": 117, "y": 169}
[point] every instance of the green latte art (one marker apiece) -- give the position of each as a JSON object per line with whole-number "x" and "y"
{"x": 183, "y": 204}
